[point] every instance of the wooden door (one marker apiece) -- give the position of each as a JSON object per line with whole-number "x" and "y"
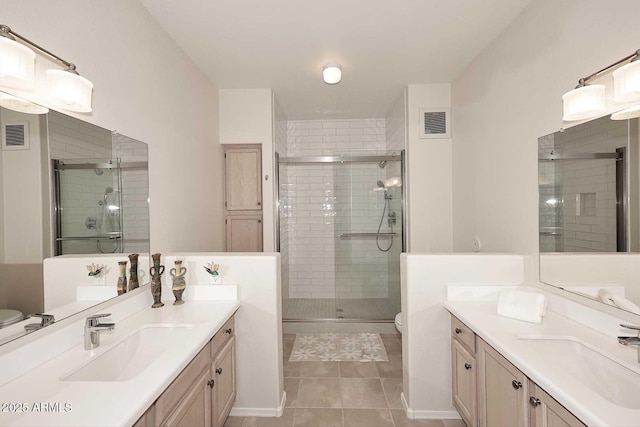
{"x": 224, "y": 389}
{"x": 244, "y": 233}
{"x": 243, "y": 173}
{"x": 502, "y": 390}
{"x": 545, "y": 411}
{"x": 194, "y": 408}
{"x": 464, "y": 383}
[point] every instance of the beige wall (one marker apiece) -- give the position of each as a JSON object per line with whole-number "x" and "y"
{"x": 508, "y": 97}
{"x": 429, "y": 171}
{"x": 145, "y": 87}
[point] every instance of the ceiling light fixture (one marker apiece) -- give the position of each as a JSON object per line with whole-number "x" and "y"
{"x": 588, "y": 101}
{"x": 332, "y": 74}
{"x": 64, "y": 88}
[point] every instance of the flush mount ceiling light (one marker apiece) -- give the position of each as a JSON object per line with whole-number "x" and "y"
{"x": 588, "y": 101}
{"x": 64, "y": 88}
{"x": 332, "y": 74}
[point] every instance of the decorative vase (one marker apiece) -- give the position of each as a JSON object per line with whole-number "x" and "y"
{"x": 122, "y": 278}
{"x": 156, "y": 283}
{"x": 133, "y": 272}
{"x": 179, "y": 283}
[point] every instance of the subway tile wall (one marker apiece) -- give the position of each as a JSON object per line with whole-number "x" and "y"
{"x": 319, "y": 202}
{"x": 589, "y": 186}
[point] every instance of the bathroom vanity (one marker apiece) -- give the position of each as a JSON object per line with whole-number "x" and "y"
{"x": 557, "y": 373}
{"x": 166, "y": 366}
{"x": 488, "y": 390}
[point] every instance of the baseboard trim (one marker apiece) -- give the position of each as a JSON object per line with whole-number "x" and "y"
{"x": 260, "y": 412}
{"x": 413, "y": 414}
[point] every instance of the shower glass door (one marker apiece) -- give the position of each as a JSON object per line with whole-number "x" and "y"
{"x": 88, "y": 196}
{"x": 340, "y": 236}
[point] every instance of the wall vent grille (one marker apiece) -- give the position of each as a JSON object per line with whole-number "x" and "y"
{"x": 434, "y": 123}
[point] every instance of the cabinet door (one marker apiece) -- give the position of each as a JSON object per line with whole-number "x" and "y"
{"x": 243, "y": 166}
{"x": 195, "y": 407}
{"x": 545, "y": 411}
{"x": 502, "y": 390}
{"x": 244, "y": 233}
{"x": 224, "y": 389}
{"x": 464, "y": 382}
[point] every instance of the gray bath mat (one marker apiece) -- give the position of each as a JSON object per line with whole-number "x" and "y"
{"x": 329, "y": 347}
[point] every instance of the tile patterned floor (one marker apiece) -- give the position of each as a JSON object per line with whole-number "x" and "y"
{"x": 343, "y": 394}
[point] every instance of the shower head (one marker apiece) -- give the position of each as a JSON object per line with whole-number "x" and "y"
{"x": 382, "y": 164}
{"x": 98, "y": 171}
{"x": 108, "y": 190}
{"x": 381, "y": 185}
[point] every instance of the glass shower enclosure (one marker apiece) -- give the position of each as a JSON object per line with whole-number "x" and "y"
{"x": 340, "y": 223}
{"x": 88, "y": 206}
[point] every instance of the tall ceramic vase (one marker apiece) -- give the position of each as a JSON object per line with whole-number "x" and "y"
{"x": 122, "y": 278}
{"x": 156, "y": 283}
{"x": 133, "y": 272}
{"x": 179, "y": 283}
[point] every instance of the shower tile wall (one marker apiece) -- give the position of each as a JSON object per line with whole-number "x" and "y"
{"x": 72, "y": 139}
{"x": 589, "y": 223}
{"x": 281, "y": 148}
{"x": 315, "y": 202}
{"x": 135, "y": 194}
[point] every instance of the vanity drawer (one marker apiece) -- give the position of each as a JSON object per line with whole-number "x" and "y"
{"x": 225, "y": 333}
{"x": 462, "y": 333}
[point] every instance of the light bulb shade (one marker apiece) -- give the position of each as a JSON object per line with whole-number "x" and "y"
{"x": 21, "y": 105}
{"x": 332, "y": 74}
{"x": 17, "y": 64}
{"x": 627, "y": 113}
{"x": 626, "y": 82}
{"x": 69, "y": 91}
{"x": 584, "y": 103}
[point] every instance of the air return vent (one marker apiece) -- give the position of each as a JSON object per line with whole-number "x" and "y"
{"x": 15, "y": 136}
{"x": 434, "y": 123}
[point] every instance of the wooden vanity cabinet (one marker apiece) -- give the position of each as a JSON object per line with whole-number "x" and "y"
{"x": 464, "y": 371}
{"x": 545, "y": 411}
{"x": 204, "y": 392}
{"x": 502, "y": 390}
{"x": 502, "y": 394}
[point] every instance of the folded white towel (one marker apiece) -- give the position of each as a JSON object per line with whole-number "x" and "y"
{"x": 521, "y": 305}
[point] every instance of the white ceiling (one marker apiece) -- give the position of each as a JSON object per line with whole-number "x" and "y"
{"x": 382, "y": 45}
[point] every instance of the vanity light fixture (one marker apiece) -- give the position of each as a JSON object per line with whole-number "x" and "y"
{"x": 63, "y": 88}
{"x": 588, "y": 101}
{"x": 332, "y": 74}
{"x": 21, "y": 105}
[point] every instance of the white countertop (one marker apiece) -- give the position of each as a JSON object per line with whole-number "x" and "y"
{"x": 542, "y": 367}
{"x": 85, "y": 403}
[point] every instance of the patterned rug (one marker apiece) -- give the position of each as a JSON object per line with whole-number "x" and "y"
{"x": 329, "y": 347}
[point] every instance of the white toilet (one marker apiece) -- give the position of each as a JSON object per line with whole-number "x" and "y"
{"x": 398, "y": 322}
{"x": 9, "y": 317}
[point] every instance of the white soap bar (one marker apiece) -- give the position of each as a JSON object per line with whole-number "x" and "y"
{"x": 520, "y": 305}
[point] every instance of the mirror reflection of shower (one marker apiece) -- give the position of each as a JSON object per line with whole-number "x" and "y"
{"x": 110, "y": 224}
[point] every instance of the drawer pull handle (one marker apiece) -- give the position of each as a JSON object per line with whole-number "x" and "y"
{"x": 458, "y": 331}
{"x": 210, "y": 383}
{"x": 219, "y": 371}
{"x": 516, "y": 384}
{"x": 534, "y": 401}
{"x": 229, "y": 331}
{"x": 467, "y": 366}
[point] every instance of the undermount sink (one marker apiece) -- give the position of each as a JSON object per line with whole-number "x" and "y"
{"x": 615, "y": 381}
{"x": 131, "y": 356}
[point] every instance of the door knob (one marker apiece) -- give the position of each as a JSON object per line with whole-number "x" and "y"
{"x": 219, "y": 371}
{"x": 210, "y": 383}
{"x": 467, "y": 366}
{"x": 458, "y": 331}
{"x": 534, "y": 401}
{"x": 516, "y": 384}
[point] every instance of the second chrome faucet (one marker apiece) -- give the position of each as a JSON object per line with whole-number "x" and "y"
{"x": 93, "y": 328}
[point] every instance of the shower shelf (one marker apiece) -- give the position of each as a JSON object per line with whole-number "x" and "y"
{"x": 348, "y": 235}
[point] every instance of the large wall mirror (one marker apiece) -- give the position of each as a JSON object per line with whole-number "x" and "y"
{"x": 589, "y": 211}
{"x": 67, "y": 188}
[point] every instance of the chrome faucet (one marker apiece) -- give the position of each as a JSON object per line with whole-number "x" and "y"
{"x": 92, "y": 329}
{"x": 631, "y": 340}
{"x": 46, "y": 320}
